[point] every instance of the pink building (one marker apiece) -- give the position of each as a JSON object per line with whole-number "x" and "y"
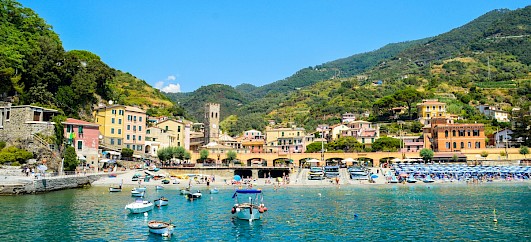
{"x": 84, "y": 136}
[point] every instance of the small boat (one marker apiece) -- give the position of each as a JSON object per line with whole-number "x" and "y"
{"x": 185, "y": 191}
{"x": 165, "y": 181}
{"x": 194, "y": 195}
{"x": 136, "y": 193}
{"x": 411, "y": 179}
{"x": 251, "y": 210}
{"x": 428, "y": 179}
{"x": 115, "y": 189}
{"x": 159, "y": 227}
{"x": 162, "y": 201}
{"x": 139, "y": 206}
{"x": 214, "y": 191}
{"x": 140, "y": 189}
{"x": 159, "y": 187}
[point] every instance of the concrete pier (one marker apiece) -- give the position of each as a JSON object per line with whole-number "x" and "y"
{"x": 19, "y": 186}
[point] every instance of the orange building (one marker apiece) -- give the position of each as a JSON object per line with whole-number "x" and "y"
{"x": 446, "y": 136}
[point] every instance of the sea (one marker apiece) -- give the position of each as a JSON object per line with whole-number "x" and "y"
{"x": 419, "y": 212}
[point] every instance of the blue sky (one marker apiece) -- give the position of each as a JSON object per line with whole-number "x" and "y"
{"x": 182, "y": 45}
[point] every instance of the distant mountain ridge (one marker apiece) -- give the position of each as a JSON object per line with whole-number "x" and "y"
{"x": 498, "y": 40}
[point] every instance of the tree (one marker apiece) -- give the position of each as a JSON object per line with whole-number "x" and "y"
{"x": 314, "y": 147}
{"x": 345, "y": 144}
{"x": 524, "y": 150}
{"x": 127, "y": 153}
{"x": 203, "y": 154}
{"x": 187, "y": 155}
{"x": 178, "y": 152}
{"x": 231, "y": 155}
{"x": 59, "y": 131}
{"x": 409, "y": 96}
{"x": 164, "y": 154}
{"x": 386, "y": 144}
{"x": 426, "y": 154}
{"x": 70, "y": 159}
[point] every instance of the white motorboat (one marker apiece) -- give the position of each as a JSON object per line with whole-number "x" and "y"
{"x": 140, "y": 189}
{"x": 214, "y": 191}
{"x": 194, "y": 195}
{"x": 136, "y": 193}
{"x": 115, "y": 189}
{"x": 139, "y": 206}
{"x": 158, "y": 187}
{"x": 162, "y": 201}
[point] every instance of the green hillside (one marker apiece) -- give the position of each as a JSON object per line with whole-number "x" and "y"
{"x": 35, "y": 69}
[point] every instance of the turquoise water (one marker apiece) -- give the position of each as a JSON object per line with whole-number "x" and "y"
{"x": 385, "y": 213}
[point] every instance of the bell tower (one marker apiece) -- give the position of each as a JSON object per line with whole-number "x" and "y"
{"x": 212, "y": 122}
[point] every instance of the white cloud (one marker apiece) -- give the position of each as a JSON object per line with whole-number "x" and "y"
{"x": 171, "y": 88}
{"x": 171, "y": 78}
{"x": 159, "y": 85}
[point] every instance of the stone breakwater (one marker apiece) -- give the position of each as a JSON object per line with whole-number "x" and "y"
{"x": 28, "y": 186}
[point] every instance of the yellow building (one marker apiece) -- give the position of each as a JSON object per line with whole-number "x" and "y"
{"x": 175, "y": 128}
{"x": 122, "y": 126}
{"x": 430, "y": 108}
{"x": 285, "y": 140}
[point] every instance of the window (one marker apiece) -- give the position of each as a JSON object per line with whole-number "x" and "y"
{"x": 427, "y": 108}
{"x": 134, "y": 118}
{"x": 140, "y": 119}
{"x": 453, "y": 133}
{"x": 119, "y": 131}
{"x": 128, "y": 146}
{"x": 478, "y": 145}
{"x": 134, "y": 128}
{"x": 133, "y": 147}
{"x": 427, "y": 115}
{"x": 139, "y": 137}
{"x": 178, "y": 128}
{"x": 112, "y": 130}
{"x": 475, "y": 132}
{"x": 282, "y": 134}
{"x": 134, "y": 137}
{"x": 166, "y": 128}
{"x": 112, "y": 141}
{"x": 148, "y": 131}
{"x": 113, "y": 111}
{"x": 455, "y": 145}
{"x": 128, "y": 127}
{"x": 447, "y": 145}
{"x": 446, "y": 134}
{"x": 69, "y": 128}
{"x": 128, "y": 137}
{"x": 8, "y": 113}
{"x": 139, "y": 148}
{"x": 121, "y": 112}
{"x": 140, "y": 128}
{"x": 462, "y": 145}
{"x": 468, "y": 132}
{"x": 363, "y": 140}
{"x": 469, "y": 144}
{"x": 79, "y": 144}
{"x": 112, "y": 120}
{"x": 119, "y": 141}
{"x": 119, "y": 121}
{"x": 80, "y": 129}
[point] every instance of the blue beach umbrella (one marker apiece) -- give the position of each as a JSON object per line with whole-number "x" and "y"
{"x": 374, "y": 176}
{"x": 237, "y": 177}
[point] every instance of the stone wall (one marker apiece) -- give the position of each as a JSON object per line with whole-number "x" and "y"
{"x": 48, "y": 184}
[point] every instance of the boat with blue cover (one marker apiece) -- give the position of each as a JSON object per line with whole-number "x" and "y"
{"x": 411, "y": 179}
{"x": 252, "y": 208}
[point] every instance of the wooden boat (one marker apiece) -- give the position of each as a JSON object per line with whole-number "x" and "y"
{"x": 251, "y": 210}
{"x": 115, "y": 189}
{"x": 139, "y": 206}
{"x": 162, "y": 201}
{"x": 160, "y": 227}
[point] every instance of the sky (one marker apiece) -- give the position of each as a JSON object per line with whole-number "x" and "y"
{"x": 179, "y": 46}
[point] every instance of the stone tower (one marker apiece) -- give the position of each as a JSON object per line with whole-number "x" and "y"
{"x": 211, "y": 122}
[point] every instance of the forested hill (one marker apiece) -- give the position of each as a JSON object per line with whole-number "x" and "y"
{"x": 482, "y": 61}
{"x": 35, "y": 69}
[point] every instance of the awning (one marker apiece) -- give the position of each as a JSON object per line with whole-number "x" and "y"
{"x": 313, "y": 161}
{"x": 81, "y": 157}
{"x": 137, "y": 156}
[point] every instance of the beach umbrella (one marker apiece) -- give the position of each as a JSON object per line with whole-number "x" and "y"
{"x": 237, "y": 177}
{"x": 374, "y": 176}
{"x": 42, "y": 168}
